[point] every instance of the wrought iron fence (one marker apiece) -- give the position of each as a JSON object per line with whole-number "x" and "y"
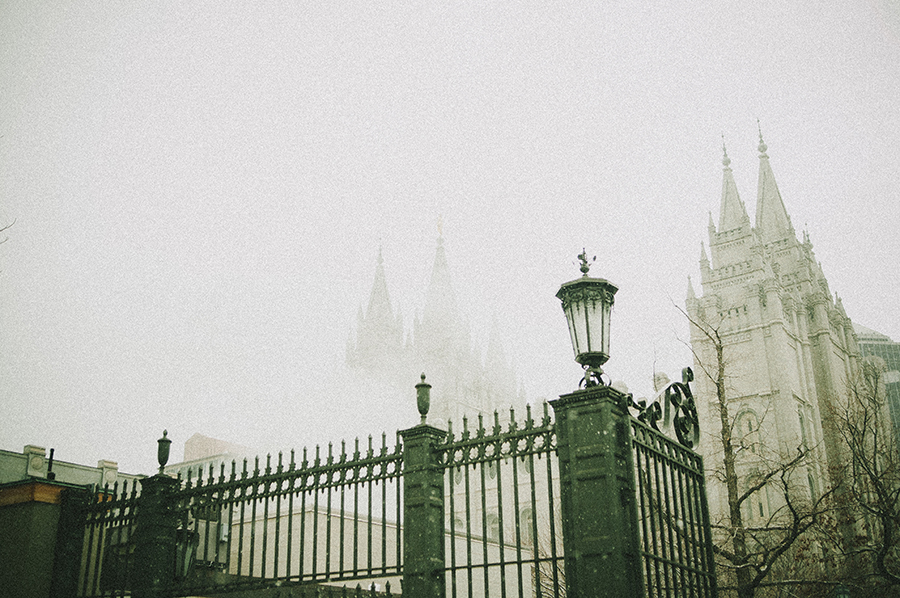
{"x": 500, "y": 484}
{"x": 107, "y": 551}
{"x": 327, "y": 518}
{"x": 484, "y": 511}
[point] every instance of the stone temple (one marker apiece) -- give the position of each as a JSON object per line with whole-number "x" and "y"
{"x": 788, "y": 348}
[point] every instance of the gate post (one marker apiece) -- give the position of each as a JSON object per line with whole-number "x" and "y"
{"x": 156, "y": 522}
{"x": 599, "y": 513}
{"x": 423, "y": 508}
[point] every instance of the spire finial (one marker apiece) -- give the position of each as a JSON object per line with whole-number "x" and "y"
{"x": 726, "y": 161}
{"x": 762, "y": 144}
{"x": 380, "y": 256}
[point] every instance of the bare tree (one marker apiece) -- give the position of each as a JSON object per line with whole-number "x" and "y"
{"x": 4, "y": 229}
{"x": 871, "y": 476}
{"x": 748, "y": 551}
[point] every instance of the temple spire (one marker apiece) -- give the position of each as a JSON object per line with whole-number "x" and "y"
{"x": 732, "y": 213}
{"x": 772, "y": 220}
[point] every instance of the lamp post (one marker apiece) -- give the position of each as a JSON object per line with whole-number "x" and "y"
{"x": 587, "y": 303}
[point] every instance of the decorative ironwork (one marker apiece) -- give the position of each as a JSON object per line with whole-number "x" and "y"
{"x": 673, "y": 516}
{"x": 500, "y": 481}
{"x": 678, "y": 410}
{"x": 337, "y": 515}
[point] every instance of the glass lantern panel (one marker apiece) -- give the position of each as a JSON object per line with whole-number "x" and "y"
{"x": 577, "y": 327}
{"x": 595, "y": 320}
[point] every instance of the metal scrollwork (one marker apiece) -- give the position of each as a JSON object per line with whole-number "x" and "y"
{"x": 594, "y": 377}
{"x": 675, "y": 406}
{"x": 649, "y": 414}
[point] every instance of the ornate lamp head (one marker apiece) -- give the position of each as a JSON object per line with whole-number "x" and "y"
{"x": 587, "y": 303}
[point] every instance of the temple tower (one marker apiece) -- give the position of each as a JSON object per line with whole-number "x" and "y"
{"x": 789, "y": 347}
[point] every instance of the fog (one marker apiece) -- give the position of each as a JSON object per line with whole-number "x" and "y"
{"x": 198, "y": 193}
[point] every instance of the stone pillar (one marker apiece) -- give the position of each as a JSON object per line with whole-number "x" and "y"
{"x": 599, "y": 511}
{"x": 156, "y": 522}
{"x": 423, "y": 514}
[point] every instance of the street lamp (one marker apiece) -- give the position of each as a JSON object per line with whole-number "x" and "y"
{"x": 587, "y": 303}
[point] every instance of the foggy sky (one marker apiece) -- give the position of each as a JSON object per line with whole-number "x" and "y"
{"x": 199, "y": 192}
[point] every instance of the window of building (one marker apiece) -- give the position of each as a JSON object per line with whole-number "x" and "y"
{"x": 493, "y": 527}
{"x": 748, "y": 431}
{"x": 526, "y": 527}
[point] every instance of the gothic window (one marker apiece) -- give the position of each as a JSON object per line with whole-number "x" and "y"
{"x": 458, "y": 475}
{"x": 492, "y": 469}
{"x": 748, "y": 431}
{"x": 526, "y": 527}
{"x": 493, "y": 527}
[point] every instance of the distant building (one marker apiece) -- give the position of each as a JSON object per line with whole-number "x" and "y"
{"x": 34, "y": 494}
{"x": 389, "y": 358}
{"x": 789, "y": 348}
{"x": 875, "y": 343}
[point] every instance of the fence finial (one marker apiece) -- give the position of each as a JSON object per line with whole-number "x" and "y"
{"x": 423, "y": 397}
{"x": 162, "y": 451}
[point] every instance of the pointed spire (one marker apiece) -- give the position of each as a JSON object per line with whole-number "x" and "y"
{"x": 379, "y": 300}
{"x": 772, "y": 220}
{"x": 440, "y": 320}
{"x": 379, "y": 334}
{"x": 732, "y": 213}
{"x": 703, "y": 257}
{"x": 691, "y": 295}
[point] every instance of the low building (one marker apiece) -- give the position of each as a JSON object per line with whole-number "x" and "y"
{"x": 34, "y": 507}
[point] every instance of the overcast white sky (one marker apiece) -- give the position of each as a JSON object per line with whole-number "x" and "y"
{"x": 199, "y": 191}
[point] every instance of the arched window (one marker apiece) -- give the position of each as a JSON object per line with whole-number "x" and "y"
{"x": 748, "y": 431}
{"x": 493, "y": 527}
{"x": 526, "y": 527}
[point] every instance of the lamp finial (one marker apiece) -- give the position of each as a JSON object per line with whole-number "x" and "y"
{"x": 585, "y": 264}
